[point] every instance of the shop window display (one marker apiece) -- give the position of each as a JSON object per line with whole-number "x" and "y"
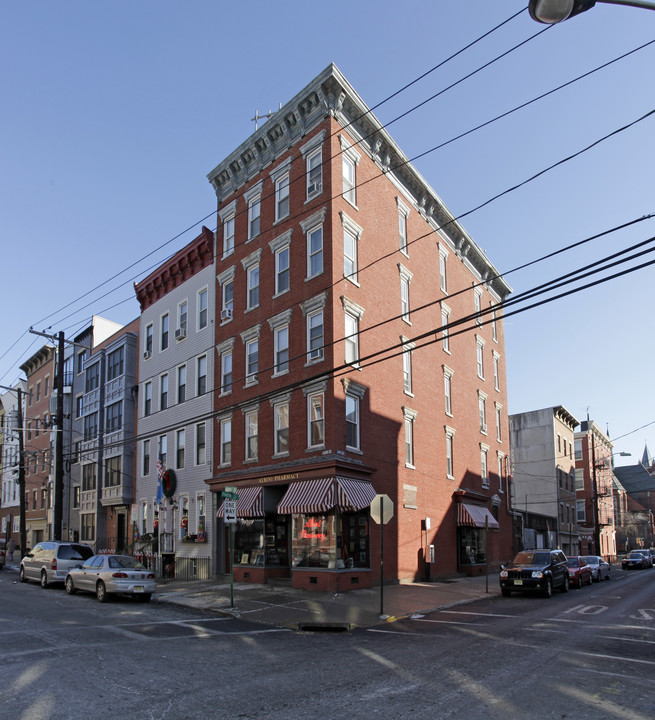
{"x": 262, "y": 542}
{"x": 330, "y": 541}
{"x": 471, "y": 546}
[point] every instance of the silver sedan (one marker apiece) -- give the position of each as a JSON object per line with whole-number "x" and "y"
{"x": 599, "y": 567}
{"x": 112, "y": 574}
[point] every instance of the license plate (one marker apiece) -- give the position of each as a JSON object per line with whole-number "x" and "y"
{"x": 138, "y": 588}
{"x": 518, "y": 582}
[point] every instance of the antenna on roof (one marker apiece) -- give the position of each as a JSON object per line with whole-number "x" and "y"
{"x": 265, "y": 116}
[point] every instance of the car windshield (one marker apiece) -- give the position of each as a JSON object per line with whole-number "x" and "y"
{"x": 635, "y": 556}
{"x": 532, "y": 558}
{"x": 123, "y": 561}
{"x": 572, "y": 562}
{"x": 591, "y": 560}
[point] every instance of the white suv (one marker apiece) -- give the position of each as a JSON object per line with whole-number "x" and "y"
{"x": 50, "y": 561}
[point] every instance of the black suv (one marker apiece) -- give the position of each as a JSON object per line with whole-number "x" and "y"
{"x": 535, "y": 571}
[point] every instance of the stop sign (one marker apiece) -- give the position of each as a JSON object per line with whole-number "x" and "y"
{"x": 381, "y": 509}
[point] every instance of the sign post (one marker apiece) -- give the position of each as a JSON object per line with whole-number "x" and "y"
{"x": 381, "y": 513}
{"x": 230, "y": 518}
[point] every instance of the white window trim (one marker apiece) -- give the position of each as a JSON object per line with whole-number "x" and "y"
{"x": 226, "y": 277}
{"x": 482, "y": 405}
{"x": 223, "y": 422}
{"x": 349, "y": 152}
{"x": 309, "y": 225}
{"x": 409, "y": 417}
{"x": 198, "y": 309}
{"x": 250, "y": 196}
{"x": 443, "y": 276}
{"x": 277, "y": 245}
{"x": 403, "y": 211}
{"x": 405, "y": 282}
{"x": 445, "y": 331}
{"x": 354, "y": 230}
{"x": 448, "y": 373}
{"x": 226, "y": 214}
{"x": 311, "y": 395}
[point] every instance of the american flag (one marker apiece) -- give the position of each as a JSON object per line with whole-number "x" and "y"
{"x": 160, "y": 490}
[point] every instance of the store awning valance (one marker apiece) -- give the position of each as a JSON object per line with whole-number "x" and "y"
{"x": 249, "y": 505}
{"x": 475, "y": 516}
{"x": 325, "y": 494}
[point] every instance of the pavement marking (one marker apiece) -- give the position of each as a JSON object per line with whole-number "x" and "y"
{"x": 462, "y": 612}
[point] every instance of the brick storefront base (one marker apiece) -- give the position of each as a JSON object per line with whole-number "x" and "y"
{"x": 330, "y": 580}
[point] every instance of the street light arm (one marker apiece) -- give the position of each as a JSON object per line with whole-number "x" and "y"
{"x": 555, "y": 11}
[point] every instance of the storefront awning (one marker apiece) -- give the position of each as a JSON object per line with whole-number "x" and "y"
{"x": 249, "y": 505}
{"x": 325, "y": 494}
{"x": 475, "y": 516}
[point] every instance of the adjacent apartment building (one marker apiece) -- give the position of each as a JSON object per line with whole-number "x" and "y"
{"x": 359, "y": 351}
{"x": 10, "y": 429}
{"x": 543, "y": 487}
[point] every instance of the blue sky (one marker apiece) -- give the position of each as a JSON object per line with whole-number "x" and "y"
{"x": 113, "y": 113}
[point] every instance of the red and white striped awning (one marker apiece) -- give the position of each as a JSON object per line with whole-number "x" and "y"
{"x": 250, "y": 503}
{"x": 475, "y": 516}
{"x": 324, "y": 494}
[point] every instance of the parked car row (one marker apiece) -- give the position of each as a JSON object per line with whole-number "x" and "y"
{"x": 75, "y": 565}
{"x": 545, "y": 570}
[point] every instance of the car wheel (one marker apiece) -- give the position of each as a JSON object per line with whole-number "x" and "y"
{"x": 506, "y": 593}
{"x": 590, "y": 581}
{"x": 44, "y": 579}
{"x": 21, "y": 574}
{"x": 101, "y": 592}
{"x": 548, "y": 587}
{"x": 70, "y": 588}
{"x": 608, "y": 577}
{"x": 566, "y": 584}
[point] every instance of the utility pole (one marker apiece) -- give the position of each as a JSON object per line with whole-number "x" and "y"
{"x": 594, "y": 493}
{"x": 59, "y": 444}
{"x": 21, "y": 474}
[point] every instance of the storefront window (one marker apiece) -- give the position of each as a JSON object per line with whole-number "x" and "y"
{"x": 262, "y": 542}
{"x": 354, "y": 542}
{"x": 321, "y": 541}
{"x": 471, "y": 546}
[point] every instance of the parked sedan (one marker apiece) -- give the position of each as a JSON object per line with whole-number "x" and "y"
{"x": 599, "y": 568}
{"x": 634, "y": 560}
{"x": 647, "y": 554}
{"x": 579, "y": 571}
{"x": 112, "y": 574}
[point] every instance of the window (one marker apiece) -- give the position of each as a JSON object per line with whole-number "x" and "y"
{"x": 403, "y": 214}
{"x": 282, "y": 197}
{"x": 314, "y": 165}
{"x": 89, "y": 476}
{"x": 81, "y": 361}
{"x": 163, "y": 392}
{"x": 442, "y": 269}
{"x": 352, "y": 339}
{"x": 482, "y": 407}
{"x": 163, "y": 340}
{"x": 501, "y": 458}
{"x": 410, "y": 417}
{"x": 407, "y": 365}
{"x": 202, "y": 309}
{"x": 147, "y": 399}
{"x": 252, "y": 361}
{"x": 228, "y": 236}
{"x": 88, "y": 527}
{"x": 181, "y": 384}
{"x": 182, "y": 313}
{"x": 499, "y": 417}
{"x": 201, "y": 376}
{"x": 91, "y": 426}
{"x": 46, "y": 392}
{"x": 282, "y": 270}
{"x": 38, "y": 391}
{"x": 254, "y": 215}
{"x": 445, "y": 315}
{"x": 145, "y": 458}
{"x": 496, "y": 364}
{"x": 252, "y": 433}
{"x": 352, "y": 232}
{"x": 494, "y": 330}
{"x": 113, "y": 472}
{"x": 92, "y": 378}
{"x": 315, "y": 252}
{"x": 316, "y": 420}
{"x": 227, "y": 300}
{"x": 315, "y": 336}
{"x": 352, "y": 422}
{"x": 281, "y": 349}
{"x": 76, "y": 496}
{"x": 281, "y": 419}
{"x": 484, "y": 469}
{"x": 114, "y": 417}
{"x": 450, "y": 436}
{"x": 180, "y": 442}
{"x": 162, "y": 447}
{"x": 79, "y": 409}
{"x": 349, "y": 161}
{"x": 252, "y": 281}
{"x": 405, "y": 279}
{"x": 226, "y": 372}
{"x": 226, "y": 441}
{"x": 200, "y": 516}
{"x": 201, "y": 450}
{"x": 148, "y": 342}
{"x": 479, "y": 347}
{"x": 477, "y": 300}
{"x": 448, "y": 390}
{"x": 580, "y": 511}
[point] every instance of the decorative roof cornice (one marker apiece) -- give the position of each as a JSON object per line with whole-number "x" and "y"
{"x": 188, "y": 261}
{"x": 331, "y": 95}
{"x": 40, "y": 358}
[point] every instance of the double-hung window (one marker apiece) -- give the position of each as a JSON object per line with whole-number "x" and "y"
{"x": 92, "y": 378}
{"x": 279, "y": 324}
{"x": 281, "y": 420}
{"x": 225, "y": 440}
{"x": 409, "y": 417}
{"x": 202, "y": 309}
{"x": 352, "y": 422}
{"x": 250, "y": 339}
{"x": 201, "y": 375}
{"x": 349, "y": 161}
{"x": 448, "y": 389}
{"x": 313, "y": 229}
{"x": 499, "y": 419}
{"x": 443, "y": 254}
{"x": 352, "y": 233}
{"x": 403, "y": 214}
{"x": 251, "y": 268}
{"x": 145, "y": 458}
{"x": 252, "y": 434}
{"x": 352, "y": 315}
{"x": 280, "y": 247}
{"x": 405, "y": 279}
{"x": 147, "y": 400}
{"x": 312, "y": 152}
{"x": 479, "y": 352}
{"x": 182, "y": 313}
{"x": 445, "y": 319}
{"x": 114, "y": 417}
{"x": 163, "y": 392}
{"x": 181, "y": 384}
{"x": 253, "y": 198}
{"x": 227, "y": 215}
{"x": 282, "y": 197}
{"x": 180, "y": 443}
{"x": 114, "y": 364}
{"x": 450, "y": 441}
{"x": 496, "y": 363}
{"x": 482, "y": 411}
{"x": 315, "y": 336}
{"x": 163, "y": 336}
{"x": 147, "y": 352}
{"x": 201, "y": 449}
{"x": 484, "y": 465}
{"x": 315, "y": 420}
{"x": 163, "y": 450}
{"x": 224, "y": 351}
{"x": 477, "y": 301}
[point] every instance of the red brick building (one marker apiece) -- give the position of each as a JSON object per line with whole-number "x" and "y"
{"x": 337, "y": 268}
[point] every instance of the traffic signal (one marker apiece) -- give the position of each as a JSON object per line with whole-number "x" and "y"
{"x": 554, "y": 11}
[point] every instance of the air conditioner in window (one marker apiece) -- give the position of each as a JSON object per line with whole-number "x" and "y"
{"x": 180, "y": 333}
{"x": 313, "y": 188}
{"x": 147, "y": 354}
{"x": 226, "y": 314}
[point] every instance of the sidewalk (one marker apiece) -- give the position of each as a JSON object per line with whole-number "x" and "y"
{"x": 283, "y": 606}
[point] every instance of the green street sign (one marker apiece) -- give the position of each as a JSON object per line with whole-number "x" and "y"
{"x": 229, "y": 495}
